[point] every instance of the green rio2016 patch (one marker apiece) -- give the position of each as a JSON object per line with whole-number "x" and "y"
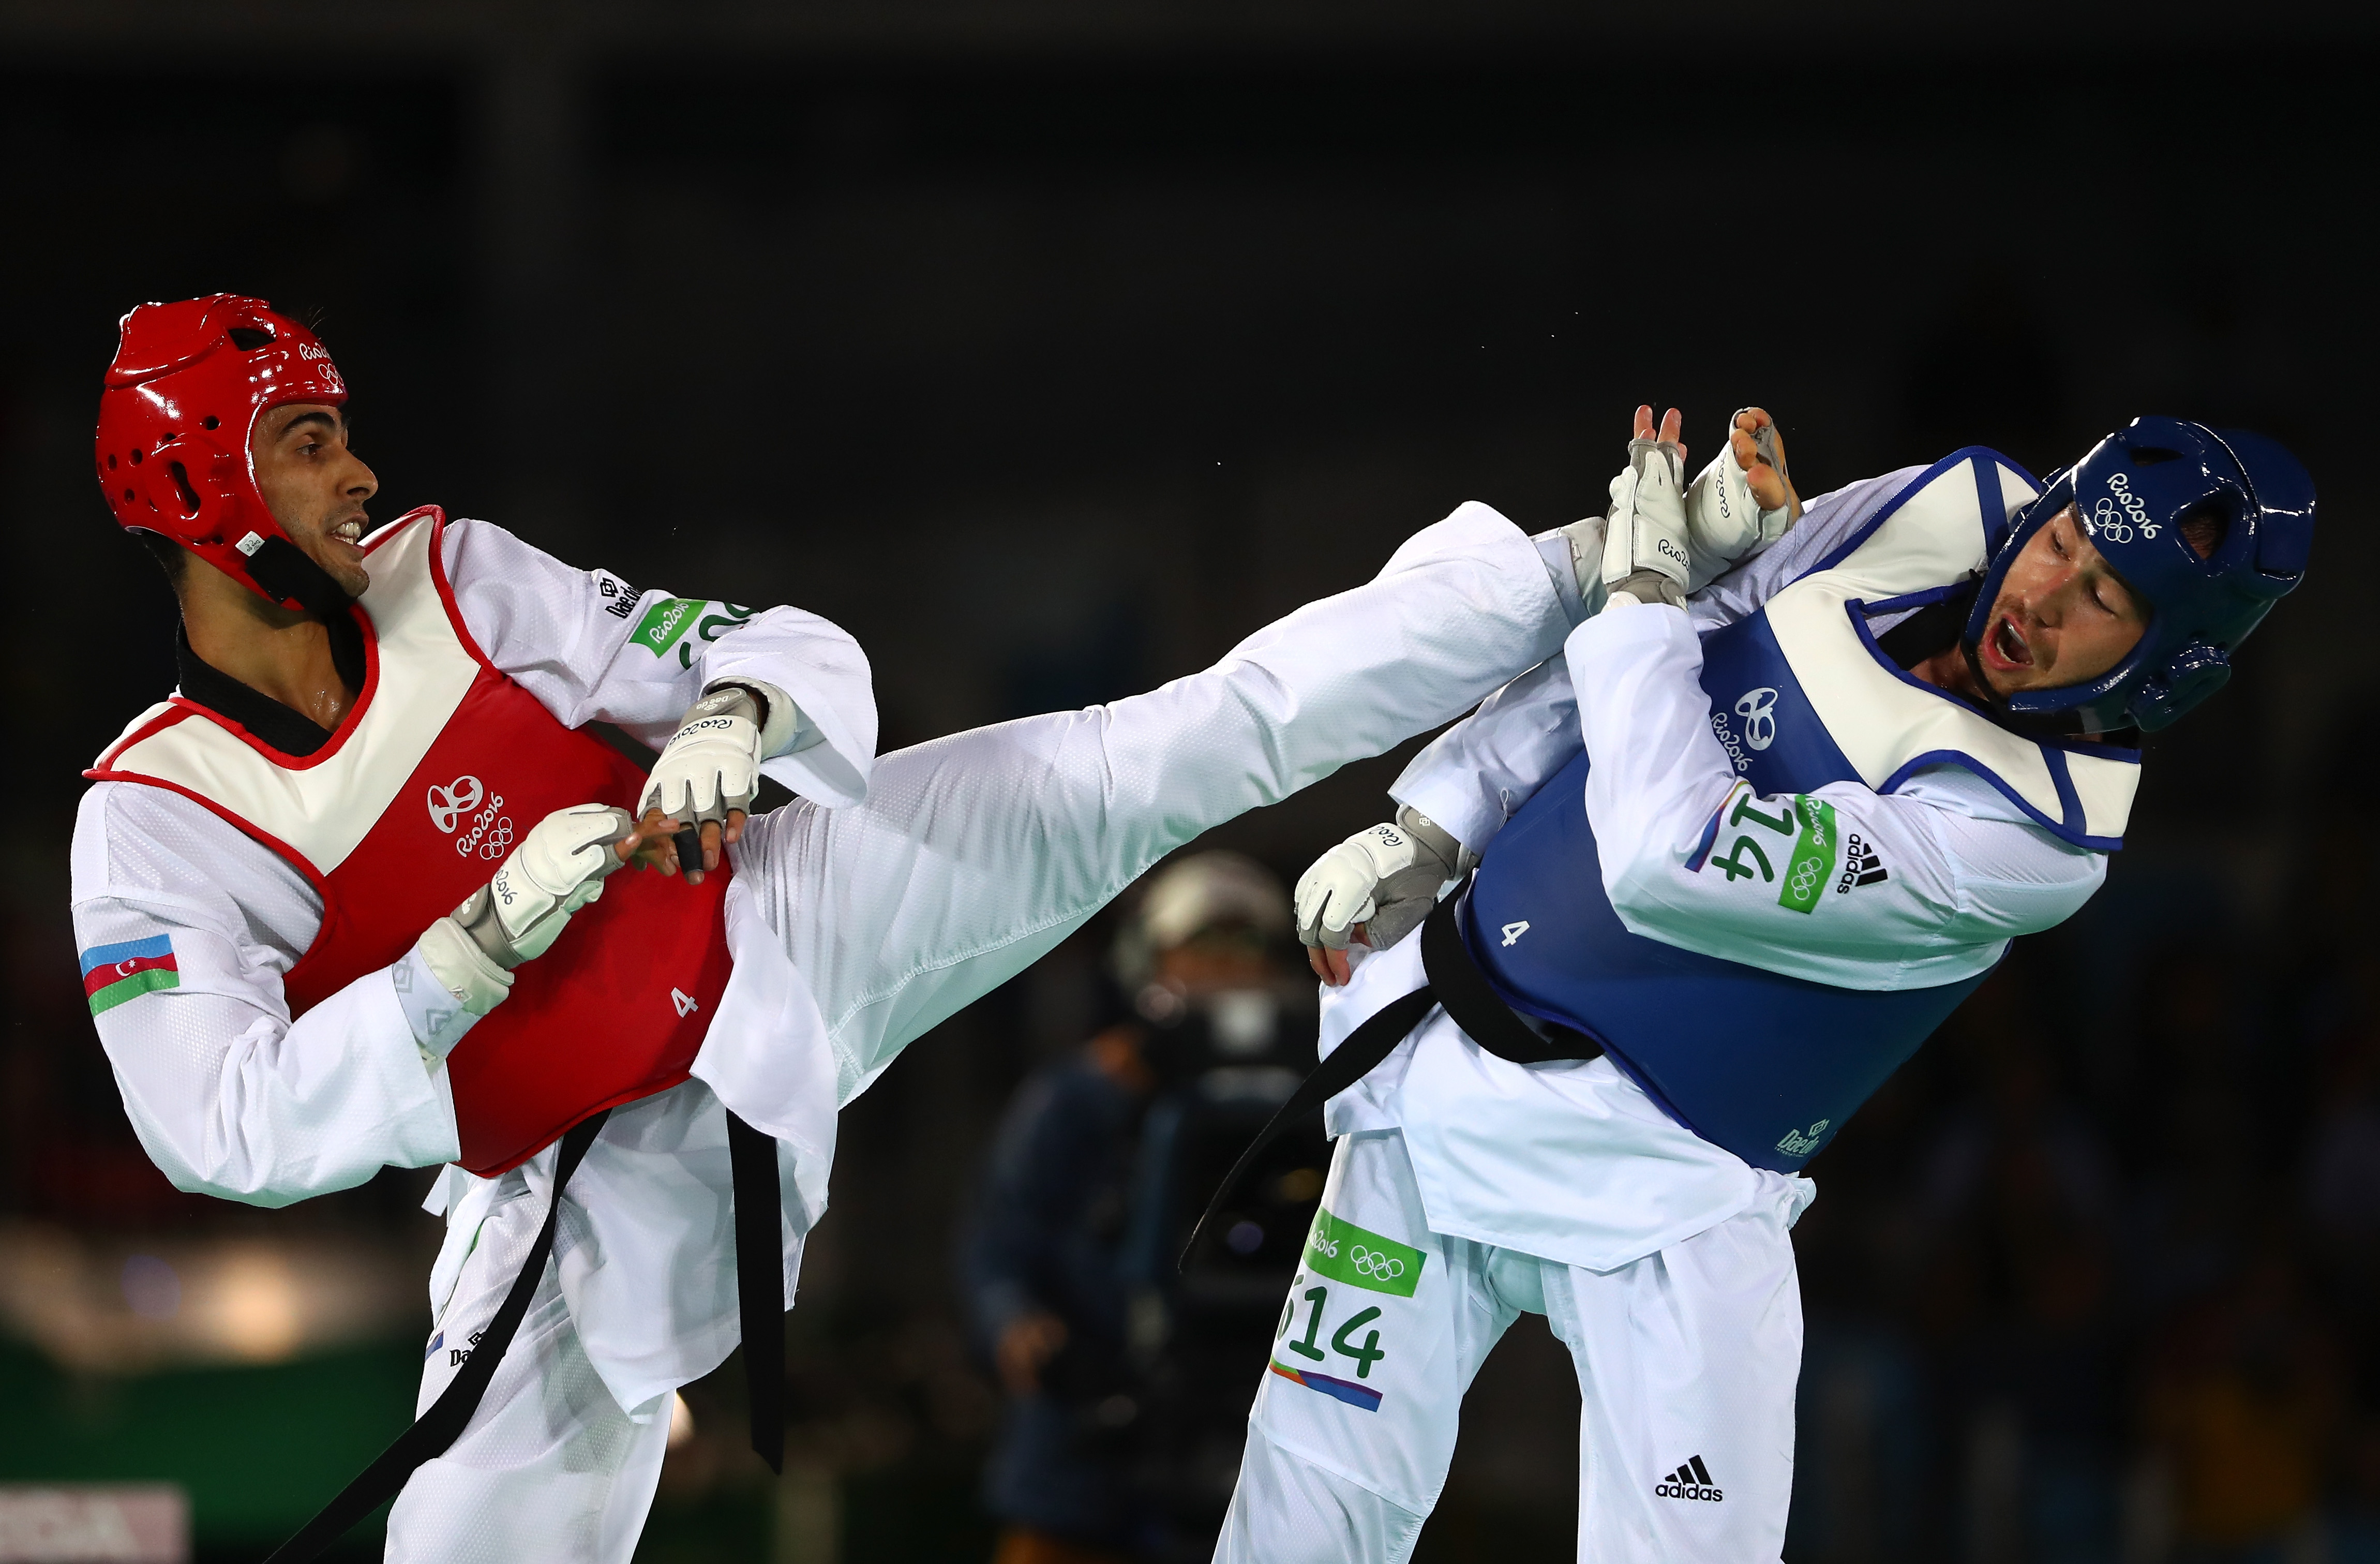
{"x": 1344, "y": 1251}
{"x": 1812, "y": 866}
{"x": 663, "y": 622}
{"x": 667, "y": 621}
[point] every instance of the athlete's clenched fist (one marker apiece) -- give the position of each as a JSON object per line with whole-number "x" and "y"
{"x": 703, "y": 786}
{"x": 1742, "y": 502}
{"x": 1374, "y": 887}
{"x": 711, "y": 766}
{"x": 558, "y": 868}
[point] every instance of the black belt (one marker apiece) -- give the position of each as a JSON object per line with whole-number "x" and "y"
{"x": 761, "y": 1301}
{"x": 1450, "y": 978}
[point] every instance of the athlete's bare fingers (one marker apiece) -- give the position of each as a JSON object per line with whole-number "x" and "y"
{"x": 649, "y": 845}
{"x": 1768, "y": 487}
{"x": 1336, "y": 968}
{"x": 1643, "y": 425}
{"x": 1314, "y": 959}
{"x": 1673, "y": 423}
{"x": 734, "y": 832}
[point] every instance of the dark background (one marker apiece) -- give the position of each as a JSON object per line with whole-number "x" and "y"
{"x": 1049, "y": 348}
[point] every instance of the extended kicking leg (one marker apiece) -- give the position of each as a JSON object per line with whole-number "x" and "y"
{"x": 975, "y": 854}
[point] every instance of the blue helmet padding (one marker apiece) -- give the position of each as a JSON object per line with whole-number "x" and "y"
{"x": 2131, "y": 495}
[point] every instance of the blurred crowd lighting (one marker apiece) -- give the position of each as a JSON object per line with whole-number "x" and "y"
{"x": 145, "y": 1524}
{"x": 121, "y": 1306}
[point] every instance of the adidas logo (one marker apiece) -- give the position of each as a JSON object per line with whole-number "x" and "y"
{"x": 1691, "y": 1481}
{"x": 1862, "y": 865}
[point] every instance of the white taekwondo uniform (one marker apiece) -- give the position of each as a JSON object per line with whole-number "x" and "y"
{"x": 853, "y": 925}
{"x": 1490, "y": 1187}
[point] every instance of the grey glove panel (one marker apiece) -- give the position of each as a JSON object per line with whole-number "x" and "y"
{"x": 725, "y": 700}
{"x": 1641, "y": 452}
{"x": 1651, "y": 586}
{"x": 1450, "y": 854}
{"x": 1397, "y": 919}
{"x": 478, "y": 916}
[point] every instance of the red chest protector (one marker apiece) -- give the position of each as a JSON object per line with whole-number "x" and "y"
{"x": 442, "y": 766}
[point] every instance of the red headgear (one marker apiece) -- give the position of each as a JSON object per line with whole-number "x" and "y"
{"x": 186, "y": 387}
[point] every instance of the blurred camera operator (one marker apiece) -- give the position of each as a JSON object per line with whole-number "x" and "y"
{"x": 1068, "y": 1269}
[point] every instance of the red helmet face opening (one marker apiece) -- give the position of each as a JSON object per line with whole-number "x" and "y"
{"x": 189, "y": 382}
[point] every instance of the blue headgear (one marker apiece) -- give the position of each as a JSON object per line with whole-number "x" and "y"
{"x": 2131, "y": 494}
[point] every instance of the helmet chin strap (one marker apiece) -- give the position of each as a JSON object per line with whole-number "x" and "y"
{"x": 284, "y": 571}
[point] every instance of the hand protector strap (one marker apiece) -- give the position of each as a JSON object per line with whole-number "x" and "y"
{"x": 558, "y": 868}
{"x": 1646, "y": 534}
{"x": 781, "y": 716}
{"x": 1385, "y": 878}
{"x": 712, "y": 763}
{"x": 1585, "y": 537}
{"x": 462, "y": 967}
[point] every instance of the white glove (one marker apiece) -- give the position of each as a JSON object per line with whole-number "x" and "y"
{"x": 1385, "y": 878}
{"x": 1645, "y": 556}
{"x": 1724, "y": 521}
{"x": 558, "y": 868}
{"x": 712, "y": 763}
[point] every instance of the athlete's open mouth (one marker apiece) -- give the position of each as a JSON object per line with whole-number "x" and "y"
{"x": 2006, "y": 646}
{"x": 350, "y": 530}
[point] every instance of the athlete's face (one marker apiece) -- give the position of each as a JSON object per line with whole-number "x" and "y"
{"x": 2063, "y": 615}
{"x": 315, "y": 487}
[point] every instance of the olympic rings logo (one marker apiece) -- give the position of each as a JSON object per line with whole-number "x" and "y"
{"x": 491, "y": 829}
{"x": 1805, "y": 876}
{"x": 1372, "y": 1263}
{"x": 2107, "y": 524}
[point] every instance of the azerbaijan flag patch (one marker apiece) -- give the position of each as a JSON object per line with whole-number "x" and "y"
{"x": 113, "y": 974}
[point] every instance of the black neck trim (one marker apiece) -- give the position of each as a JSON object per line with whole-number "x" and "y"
{"x": 290, "y": 731}
{"x": 1934, "y": 628}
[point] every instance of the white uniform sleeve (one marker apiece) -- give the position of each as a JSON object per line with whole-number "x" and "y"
{"x": 590, "y": 647}
{"x": 229, "y": 1097}
{"x": 1472, "y": 777}
{"x": 1845, "y": 886}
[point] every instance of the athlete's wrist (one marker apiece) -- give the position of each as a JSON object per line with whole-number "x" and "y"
{"x": 784, "y": 728}
{"x": 1647, "y": 587}
{"x": 464, "y": 983}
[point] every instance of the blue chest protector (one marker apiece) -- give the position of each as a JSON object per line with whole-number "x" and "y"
{"x": 1766, "y": 1065}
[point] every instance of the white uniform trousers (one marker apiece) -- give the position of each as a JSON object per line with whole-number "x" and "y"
{"x": 550, "y": 1470}
{"x": 973, "y": 857}
{"x": 1687, "y": 1360}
